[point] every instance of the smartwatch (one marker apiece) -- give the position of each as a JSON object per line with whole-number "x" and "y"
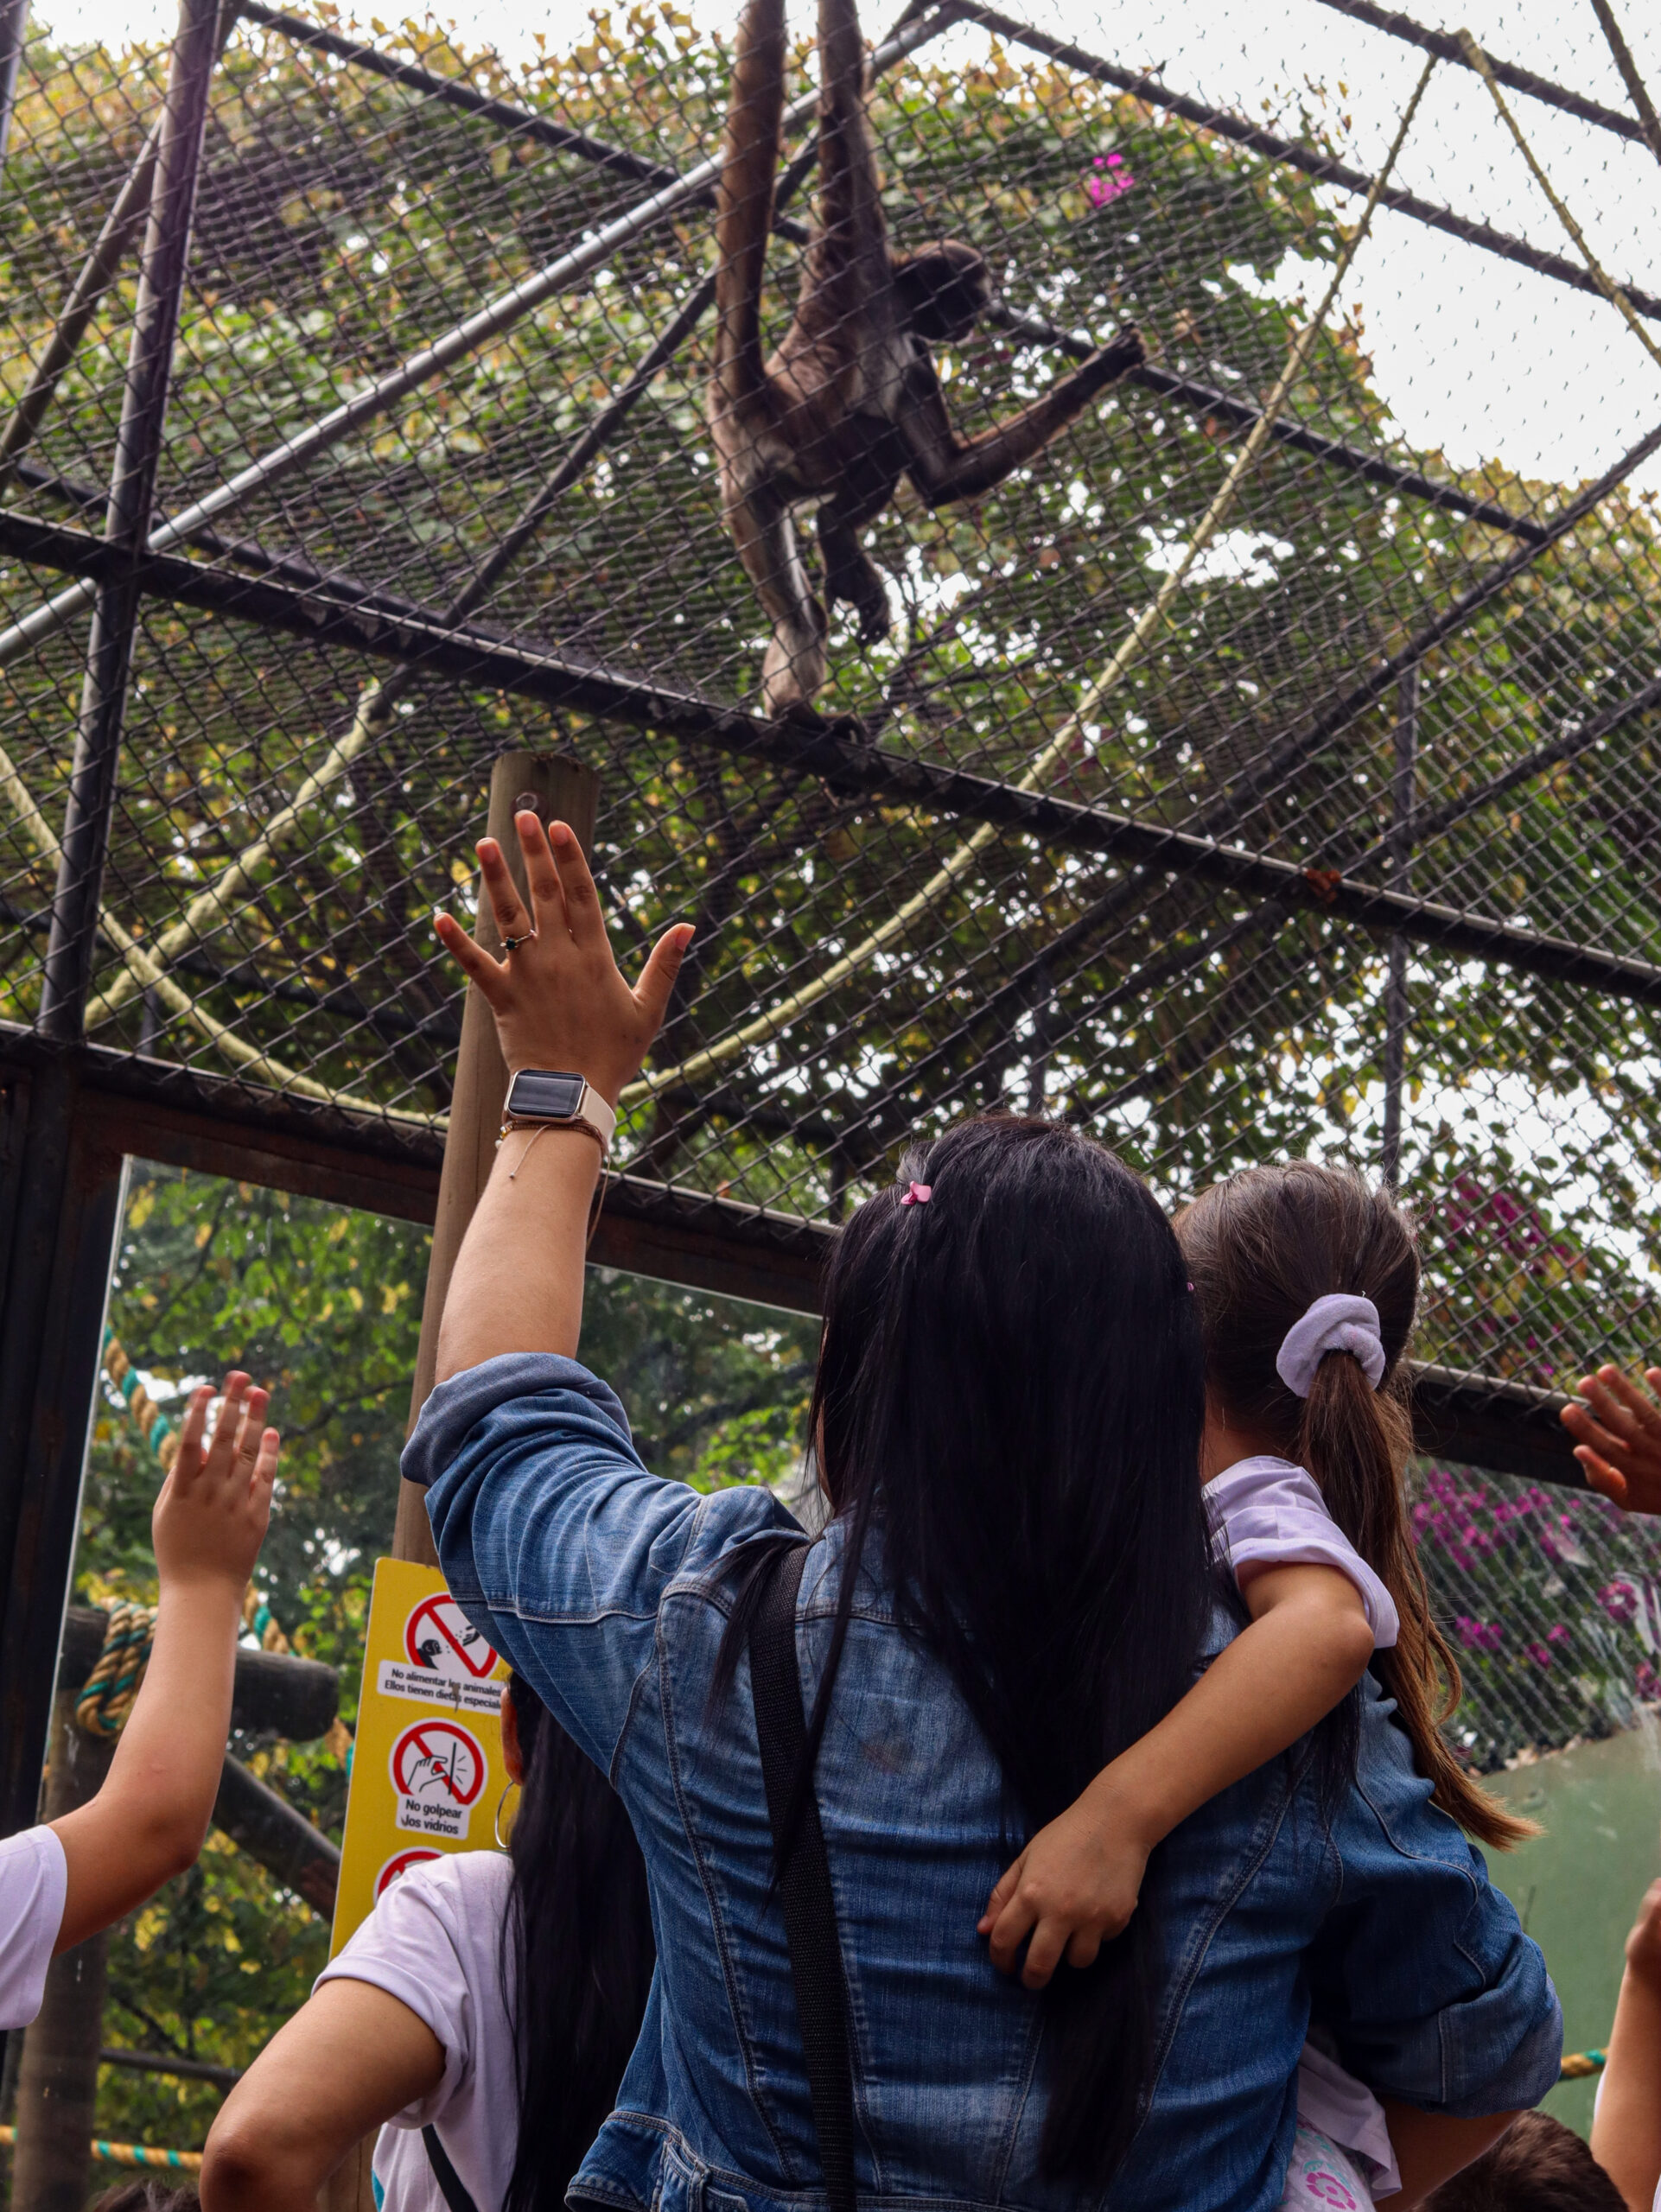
{"x": 547, "y": 1098}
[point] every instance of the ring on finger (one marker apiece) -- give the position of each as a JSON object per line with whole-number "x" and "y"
{"x": 513, "y": 944}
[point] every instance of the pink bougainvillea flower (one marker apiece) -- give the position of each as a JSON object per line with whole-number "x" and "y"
{"x": 1618, "y": 1600}
{"x": 1558, "y": 1635}
{"x": 1540, "y": 1653}
{"x": 1111, "y": 180}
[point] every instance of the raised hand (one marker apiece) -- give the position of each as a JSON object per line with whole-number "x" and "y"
{"x": 212, "y": 1511}
{"x": 1619, "y": 1433}
{"x": 559, "y": 998}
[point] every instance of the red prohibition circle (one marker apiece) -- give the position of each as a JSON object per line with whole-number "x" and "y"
{"x": 439, "y": 1762}
{"x": 439, "y": 1636}
{"x": 400, "y": 1863}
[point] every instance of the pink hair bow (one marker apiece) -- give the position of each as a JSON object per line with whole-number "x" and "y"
{"x": 918, "y": 1195}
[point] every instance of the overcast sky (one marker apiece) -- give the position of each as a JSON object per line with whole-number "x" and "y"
{"x": 1475, "y": 357}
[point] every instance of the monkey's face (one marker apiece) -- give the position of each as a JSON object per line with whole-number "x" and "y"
{"x": 942, "y": 292}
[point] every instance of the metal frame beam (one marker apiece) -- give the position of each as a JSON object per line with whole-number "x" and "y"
{"x": 1446, "y": 47}
{"x": 150, "y": 1111}
{"x": 867, "y": 770}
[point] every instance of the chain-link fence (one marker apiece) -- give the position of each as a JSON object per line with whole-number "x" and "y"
{"x": 1356, "y": 854}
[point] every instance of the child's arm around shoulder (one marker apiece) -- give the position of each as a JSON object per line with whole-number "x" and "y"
{"x": 1076, "y": 1884}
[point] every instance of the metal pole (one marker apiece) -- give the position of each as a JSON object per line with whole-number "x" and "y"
{"x": 490, "y": 321}
{"x": 132, "y": 485}
{"x": 1401, "y": 862}
{"x": 14, "y": 21}
{"x": 60, "y": 1216}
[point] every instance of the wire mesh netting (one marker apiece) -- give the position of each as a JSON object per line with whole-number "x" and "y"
{"x": 441, "y": 368}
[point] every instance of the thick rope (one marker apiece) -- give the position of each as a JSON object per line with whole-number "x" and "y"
{"x": 143, "y": 1411}
{"x": 109, "y": 1693}
{"x": 1600, "y": 276}
{"x": 1147, "y": 625}
{"x": 131, "y": 2154}
{"x": 1577, "y": 2064}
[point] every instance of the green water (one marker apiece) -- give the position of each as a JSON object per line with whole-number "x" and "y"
{"x": 1578, "y": 1886}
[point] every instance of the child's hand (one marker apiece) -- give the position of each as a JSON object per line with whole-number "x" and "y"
{"x": 1643, "y": 1944}
{"x": 1619, "y": 1437}
{"x": 211, "y": 1516}
{"x": 1073, "y": 1889}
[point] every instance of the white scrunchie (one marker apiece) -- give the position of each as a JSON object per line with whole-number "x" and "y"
{"x": 1334, "y": 1324}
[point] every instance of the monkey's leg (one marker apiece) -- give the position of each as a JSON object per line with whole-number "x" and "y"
{"x": 852, "y": 577}
{"x": 792, "y": 668}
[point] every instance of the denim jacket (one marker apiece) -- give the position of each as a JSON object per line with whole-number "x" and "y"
{"x": 602, "y": 1585}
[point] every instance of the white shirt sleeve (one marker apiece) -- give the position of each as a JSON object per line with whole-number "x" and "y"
{"x": 34, "y": 1877}
{"x": 418, "y": 1945}
{"x": 1268, "y": 1512}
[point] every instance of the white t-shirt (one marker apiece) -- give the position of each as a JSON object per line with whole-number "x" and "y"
{"x": 434, "y": 1942}
{"x": 34, "y": 1876}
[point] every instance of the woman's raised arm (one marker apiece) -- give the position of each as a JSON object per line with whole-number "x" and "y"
{"x": 560, "y": 1004}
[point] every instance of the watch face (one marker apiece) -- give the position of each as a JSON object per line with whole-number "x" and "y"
{"x": 539, "y": 1095}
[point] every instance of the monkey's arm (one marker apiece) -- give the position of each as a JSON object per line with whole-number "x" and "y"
{"x": 944, "y": 466}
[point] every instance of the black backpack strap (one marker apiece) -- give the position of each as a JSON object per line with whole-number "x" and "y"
{"x": 455, "y": 2188}
{"x": 805, "y": 1879}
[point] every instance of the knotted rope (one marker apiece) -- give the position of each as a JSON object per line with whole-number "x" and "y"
{"x": 107, "y": 1696}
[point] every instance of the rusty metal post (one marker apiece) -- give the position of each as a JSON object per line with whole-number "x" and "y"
{"x": 132, "y": 484}
{"x": 14, "y": 23}
{"x": 57, "y": 2083}
{"x": 559, "y": 788}
{"x": 1401, "y": 860}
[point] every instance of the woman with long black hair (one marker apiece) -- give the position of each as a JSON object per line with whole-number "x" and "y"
{"x": 480, "y": 2018}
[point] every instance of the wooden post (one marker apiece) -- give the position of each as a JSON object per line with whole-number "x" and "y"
{"x": 57, "y": 2083}
{"x": 559, "y": 788}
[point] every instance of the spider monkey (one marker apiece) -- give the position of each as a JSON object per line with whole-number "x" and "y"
{"x": 851, "y": 400}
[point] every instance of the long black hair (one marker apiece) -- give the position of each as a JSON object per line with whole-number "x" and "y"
{"x": 1011, "y": 1375}
{"x": 577, "y": 1953}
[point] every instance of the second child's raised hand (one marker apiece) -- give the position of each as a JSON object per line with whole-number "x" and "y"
{"x": 211, "y": 1515}
{"x": 1618, "y": 1437}
{"x": 559, "y": 998}
{"x": 1073, "y": 1889}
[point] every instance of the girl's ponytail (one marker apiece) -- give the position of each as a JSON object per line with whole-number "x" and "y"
{"x": 1262, "y": 1248}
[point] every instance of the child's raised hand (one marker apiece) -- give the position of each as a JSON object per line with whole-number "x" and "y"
{"x": 1617, "y": 1434}
{"x": 1073, "y": 1889}
{"x": 211, "y": 1516}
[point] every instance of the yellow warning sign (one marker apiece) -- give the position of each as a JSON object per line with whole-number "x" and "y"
{"x": 427, "y": 1770}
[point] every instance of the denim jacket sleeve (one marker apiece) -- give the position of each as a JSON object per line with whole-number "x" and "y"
{"x": 1421, "y": 1969}
{"x": 555, "y": 1541}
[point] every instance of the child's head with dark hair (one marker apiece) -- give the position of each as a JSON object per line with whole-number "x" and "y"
{"x": 1538, "y": 2166}
{"x": 1261, "y": 1249}
{"x": 149, "y": 2194}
